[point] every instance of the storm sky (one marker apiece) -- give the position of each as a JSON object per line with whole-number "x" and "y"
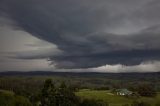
{"x": 80, "y": 35}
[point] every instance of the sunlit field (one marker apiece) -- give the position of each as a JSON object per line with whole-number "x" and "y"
{"x": 113, "y": 99}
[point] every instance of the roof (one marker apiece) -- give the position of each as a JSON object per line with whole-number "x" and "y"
{"x": 126, "y": 91}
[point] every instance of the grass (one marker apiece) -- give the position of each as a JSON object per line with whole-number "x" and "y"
{"x": 112, "y": 99}
{"x": 152, "y": 100}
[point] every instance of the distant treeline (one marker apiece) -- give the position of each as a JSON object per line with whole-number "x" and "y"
{"x": 81, "y": 74}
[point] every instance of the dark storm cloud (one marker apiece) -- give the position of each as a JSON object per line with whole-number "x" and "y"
{"x": 132, "y": 57}
{"x": 90, "y": 33}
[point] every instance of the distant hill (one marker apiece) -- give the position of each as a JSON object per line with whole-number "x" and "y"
{"x": 83, "y": 74}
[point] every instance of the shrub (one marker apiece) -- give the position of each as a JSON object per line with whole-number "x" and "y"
{"x": 146, "y": 90}
{"x": 92, "y": 102}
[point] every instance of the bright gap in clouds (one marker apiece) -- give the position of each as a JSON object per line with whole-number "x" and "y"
{"x": 143, "y": 67}
{"x": 153, "y": 66}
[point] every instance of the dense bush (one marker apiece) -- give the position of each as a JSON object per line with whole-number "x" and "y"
{"x": 102, "y": 88}
{"x": 63, "y": 96}
{"x": 146, "y": 90}
{"x": 7, "y": 99}
{"x": 49, "y": 95}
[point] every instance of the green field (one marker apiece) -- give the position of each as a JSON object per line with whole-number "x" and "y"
{"x": 112, "y": 99}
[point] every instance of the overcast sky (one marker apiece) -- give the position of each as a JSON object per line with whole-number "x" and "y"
{"x": 80, "y": 35}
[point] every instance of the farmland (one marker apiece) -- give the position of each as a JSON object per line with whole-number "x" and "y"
{"x": 113, "y": 99}
{"x": 91, "y": 86}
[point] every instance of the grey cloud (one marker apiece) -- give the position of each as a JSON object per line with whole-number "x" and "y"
{"x": 90, "y": 33}
{"x": 40, "y": 53}
{"x": 132, "y": 57}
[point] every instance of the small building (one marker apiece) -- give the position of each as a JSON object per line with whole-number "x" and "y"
{"x": 123, "y": 92}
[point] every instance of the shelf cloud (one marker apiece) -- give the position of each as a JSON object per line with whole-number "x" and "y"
{"x": 87, "y": 33}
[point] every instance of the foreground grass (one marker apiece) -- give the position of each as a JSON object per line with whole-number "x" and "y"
{"x": 112, "y": 99}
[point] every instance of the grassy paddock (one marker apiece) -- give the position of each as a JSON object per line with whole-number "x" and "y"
{"x": 112, "y": 99}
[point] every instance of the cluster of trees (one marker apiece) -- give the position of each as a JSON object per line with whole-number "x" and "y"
{"x": 24, "y": 86}
{"x": 51, "y": 94}
{"x": 27, "y": 85}
{"x": 144, "y": 89}
{"x": 141, "y": 103}
{"x": 62, "y": 96}
{"x": 54, "y": 94}
{"x": 147, "y": 90}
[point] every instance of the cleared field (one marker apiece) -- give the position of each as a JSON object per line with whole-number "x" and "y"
{"x": 112, "y": 99}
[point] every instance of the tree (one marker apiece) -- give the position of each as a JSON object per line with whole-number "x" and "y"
{"x": 61, "y": 96}
{"x": 146, "y": 90}
{"x": 65, "y": 96}
{"x": 48, "y": 94}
